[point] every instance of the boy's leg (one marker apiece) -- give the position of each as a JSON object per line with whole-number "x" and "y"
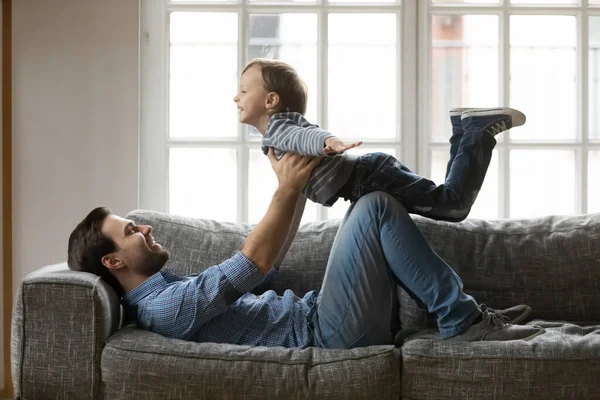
{"x": 469, "y": 167}
{"x": 457, "y": 134}
{"x": 377, "y": 244}
{"x": 452, "y": 200}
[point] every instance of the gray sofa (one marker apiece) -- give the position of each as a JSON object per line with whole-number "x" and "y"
{"x": 68, "y": 341}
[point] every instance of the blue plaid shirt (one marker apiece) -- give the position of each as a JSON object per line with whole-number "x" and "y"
{"x": 215, "y": 306}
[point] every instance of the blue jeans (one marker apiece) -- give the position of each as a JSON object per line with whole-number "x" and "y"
{"x": 470, "y": 156}
{"x": 377, "y": 247}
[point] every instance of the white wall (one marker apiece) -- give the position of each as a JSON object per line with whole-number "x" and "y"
{"x": 75, "y": 120}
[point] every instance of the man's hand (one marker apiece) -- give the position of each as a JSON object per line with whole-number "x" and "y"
{"x": 333, "y": 145}
{"x": 292, "y": 170}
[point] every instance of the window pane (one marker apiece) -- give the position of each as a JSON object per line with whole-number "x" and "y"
{"x": 203, "y": 75}
{"x": 594, "y": 181}
{"x": 203, "y": 183}
{"x": 464, "y": 66}
{"x": 544, "y": 75}
{"x": 594, "y": 86}
{"x": 291, "y": 38}
{"x": 542, "y": 182}
{"x": 370, "y": 2}
{"x": 262, "y": 183}
{"x": 465, "y": 1}
{"x": 544, "y": 1}
{"x": 362, "y": 76}
{"x": 486, "y": 204}
{"x": 282, "y": 1}
{"x": 338, "y": 210}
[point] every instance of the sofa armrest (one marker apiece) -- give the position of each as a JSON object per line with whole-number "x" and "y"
{"x": 60, "y": 323}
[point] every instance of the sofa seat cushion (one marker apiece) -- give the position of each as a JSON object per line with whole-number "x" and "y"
{"x": 142, "y": 364}
{"x": 563, "y": 363}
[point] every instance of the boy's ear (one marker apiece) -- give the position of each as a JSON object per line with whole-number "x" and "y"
{"x": 112, "y": 261}
{"x": 272, "y": 100}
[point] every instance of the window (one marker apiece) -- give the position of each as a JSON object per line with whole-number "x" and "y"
{"x": 404, "y": 62}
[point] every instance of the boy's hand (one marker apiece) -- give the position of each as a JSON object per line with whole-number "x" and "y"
{"x": 334, "y": 145}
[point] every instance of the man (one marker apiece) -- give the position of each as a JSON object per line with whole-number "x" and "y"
{"x": 377, "y": 246}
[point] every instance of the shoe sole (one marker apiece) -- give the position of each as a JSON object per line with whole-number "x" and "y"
{"x": 524, "y": 315}
{"x": 538, "y": 333}
{"x": 517, "y": 117}
{"x": 457, "y": 112}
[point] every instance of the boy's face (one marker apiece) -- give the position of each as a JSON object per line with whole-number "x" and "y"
{"x": 252, "y": 97}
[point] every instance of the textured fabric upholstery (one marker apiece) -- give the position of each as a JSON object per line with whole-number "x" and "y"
{"x": 550, "y": 263}
{"x": 143, "y": 365}
{"x": 196, "y": 244}
{"x": 64, "y": 344}
{"x": 61, "y": 320}
{"x": 563, "y": 363}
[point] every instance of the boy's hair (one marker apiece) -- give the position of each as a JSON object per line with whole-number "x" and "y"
{"x": 87, "y": 246}
{"x": 283, "y": 79}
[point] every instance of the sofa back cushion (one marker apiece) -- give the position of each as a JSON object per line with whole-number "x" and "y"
{"x": 196, "y": 244}
{"x": 550, "y": 263}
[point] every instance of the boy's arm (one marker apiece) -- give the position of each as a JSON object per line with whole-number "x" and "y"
{"x": 298, "y": 212}
{"x": 286, "y": 135}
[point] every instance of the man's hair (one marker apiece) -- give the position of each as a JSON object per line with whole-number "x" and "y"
{"x": 87, "y": 246}
{"x": 283, "y": 79}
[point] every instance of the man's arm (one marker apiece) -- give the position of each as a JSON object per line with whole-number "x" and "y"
{"x": 265, "y": 242}
{"x": 298, "y": 212}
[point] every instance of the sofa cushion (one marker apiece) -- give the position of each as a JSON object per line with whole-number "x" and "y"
{"x": 141, "y": 364}
{"x": 197, "y": 244}
{"x": 563, "y": 363}
{"x": 550, "y": 263}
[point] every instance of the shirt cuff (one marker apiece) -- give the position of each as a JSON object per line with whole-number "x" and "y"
{"x": 241, "y": 272}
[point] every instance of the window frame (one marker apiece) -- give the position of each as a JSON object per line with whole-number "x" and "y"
{"x": 154, "y": 89}
{"x": 414, "y": 50}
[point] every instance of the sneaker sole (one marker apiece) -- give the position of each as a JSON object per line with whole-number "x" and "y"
{"x": 524, "y": 315}
{"x": 457, "y": 112}
{"x": 517, "y": 117}
{"x": 538, "y": 333}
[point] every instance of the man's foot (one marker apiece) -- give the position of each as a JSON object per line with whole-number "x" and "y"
{"x": 491, "y": 120}
{"x": 496, "y": 327}
{"x": 515, "y": 314}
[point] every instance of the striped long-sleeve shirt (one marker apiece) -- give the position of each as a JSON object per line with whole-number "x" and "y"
{"x": 290, "y": 131}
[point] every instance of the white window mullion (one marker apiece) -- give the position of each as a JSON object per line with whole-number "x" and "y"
{"x": 504, "y": 148}
{"x": 322, "y": 78}
{"x": 584, "y": 51}
{"x": 424, "y": 83}
{"x": 152, "y": 178}
{"x": 243, "y": 156}
{"x": 407, "y": 85}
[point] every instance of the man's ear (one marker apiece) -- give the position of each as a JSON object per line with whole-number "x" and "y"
{"x": 272, "y": 100}
{"x": 112, "y": 261}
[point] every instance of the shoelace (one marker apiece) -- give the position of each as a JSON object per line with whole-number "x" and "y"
{"x": 496, "y": 320}
{"x": 498, "y": 127}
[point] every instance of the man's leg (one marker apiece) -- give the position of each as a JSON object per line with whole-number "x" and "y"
{"x": 377, "y": 244}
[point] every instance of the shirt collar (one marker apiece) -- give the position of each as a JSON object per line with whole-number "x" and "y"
{"x": 150, "y": 285}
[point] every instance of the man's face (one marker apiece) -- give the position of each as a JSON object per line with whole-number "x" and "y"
{"x": 137, "y": 249}
{"x": 252, "y": 97}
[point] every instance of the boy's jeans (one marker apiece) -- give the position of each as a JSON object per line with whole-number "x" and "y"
{"x": 376, "y": 247}
{"x": 470, "y": 155}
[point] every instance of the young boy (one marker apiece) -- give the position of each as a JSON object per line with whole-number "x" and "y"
{"x": 273, "y": 99}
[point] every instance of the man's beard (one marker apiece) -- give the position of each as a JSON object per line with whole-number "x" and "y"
{"x": 154, "y": 262}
